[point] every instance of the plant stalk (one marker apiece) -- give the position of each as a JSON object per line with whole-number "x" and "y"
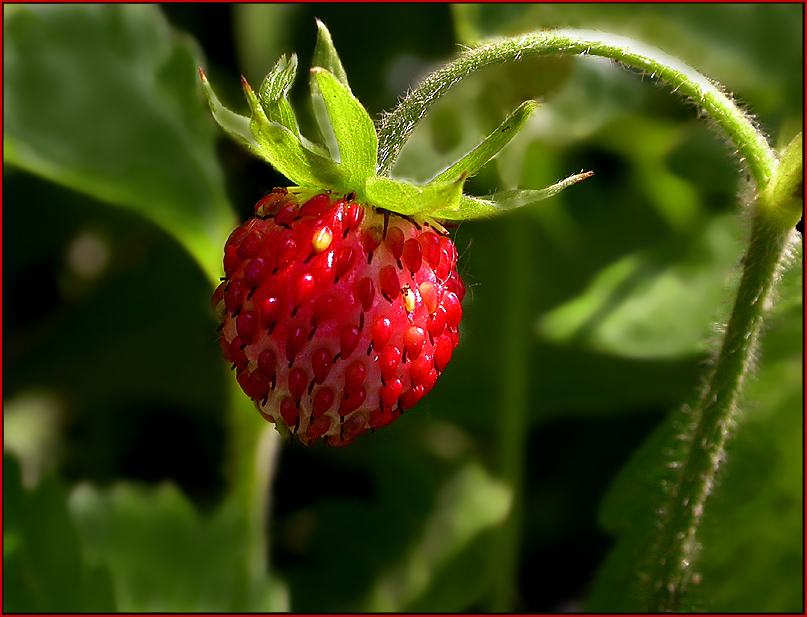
{"x": 778, "y": 205}
{"x": 752, "y": 146}
{"x": 716, "y": 411}
{"x": 253, "y": 453}
{"x": 514, "y": 381}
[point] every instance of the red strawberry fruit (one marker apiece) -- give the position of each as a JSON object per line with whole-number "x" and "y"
{"x": 336, "y": 317}
{"x": 340, "y": 301}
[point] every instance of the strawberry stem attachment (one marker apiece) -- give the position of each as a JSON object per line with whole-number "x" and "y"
{"x": 348, "y": 164}
{"x": 782, "y": 200}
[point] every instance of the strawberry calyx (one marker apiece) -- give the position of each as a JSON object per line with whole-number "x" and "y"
{"x": 347, "y": 161}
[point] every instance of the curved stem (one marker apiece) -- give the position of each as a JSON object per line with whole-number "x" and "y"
{"x": 778, "y": 205}
{"x": 752, "y": 146}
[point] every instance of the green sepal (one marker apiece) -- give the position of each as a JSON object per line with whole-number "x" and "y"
{"x": 412, "y": 199}
{"x": 286, "y": 152}
{"x": 236, "y": 125}
{"x": 472, "y": 162}
{"x": 351, "y": 125}
{"x": 273, "y": 134}
{"x": 478, "y": 207}
{"x": 325, "y": 55}
{"x": 274, "y": 92}
{"x": 273, "y": 95}
{"x": 470, "y": 208}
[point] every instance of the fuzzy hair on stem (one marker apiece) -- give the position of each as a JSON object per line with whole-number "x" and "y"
{"x": 709, "y": 422}
{"x": 396, "y": 126}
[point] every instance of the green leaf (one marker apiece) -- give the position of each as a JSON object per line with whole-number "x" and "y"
{"x": 469, "y": 503}
{"x": 274, "y": 93}
{"x": 352, "y": 126}
{"x": 235, "y": 124}
{"x": 408, "y": 199}
{"x": 103, "y": 99}
{"x": 163, "y": 555}
{"x": 44, "y": 570}
{"x": 630, "y": 512}
{"x": 381, "y": 507}
{"x": 472, "y": 162}
{"x": 326, "y": 56}
{"x": 655, "y": 303}
{"x": 118, "y": 305}
{"x": 287, "y": 153}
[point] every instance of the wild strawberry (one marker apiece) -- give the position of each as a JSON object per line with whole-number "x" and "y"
{"x": 340, "y": 301}
{"x": 340, "y": 316}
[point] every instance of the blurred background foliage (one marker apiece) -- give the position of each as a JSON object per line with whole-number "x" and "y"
{"x": 589, "y": 318}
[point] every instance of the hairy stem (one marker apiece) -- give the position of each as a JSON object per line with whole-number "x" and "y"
{"x": 776, "y": 210}
{"x": 396, "y": 127}
{"x": 777, "y": 207}
{"x": 716, "y": 410}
